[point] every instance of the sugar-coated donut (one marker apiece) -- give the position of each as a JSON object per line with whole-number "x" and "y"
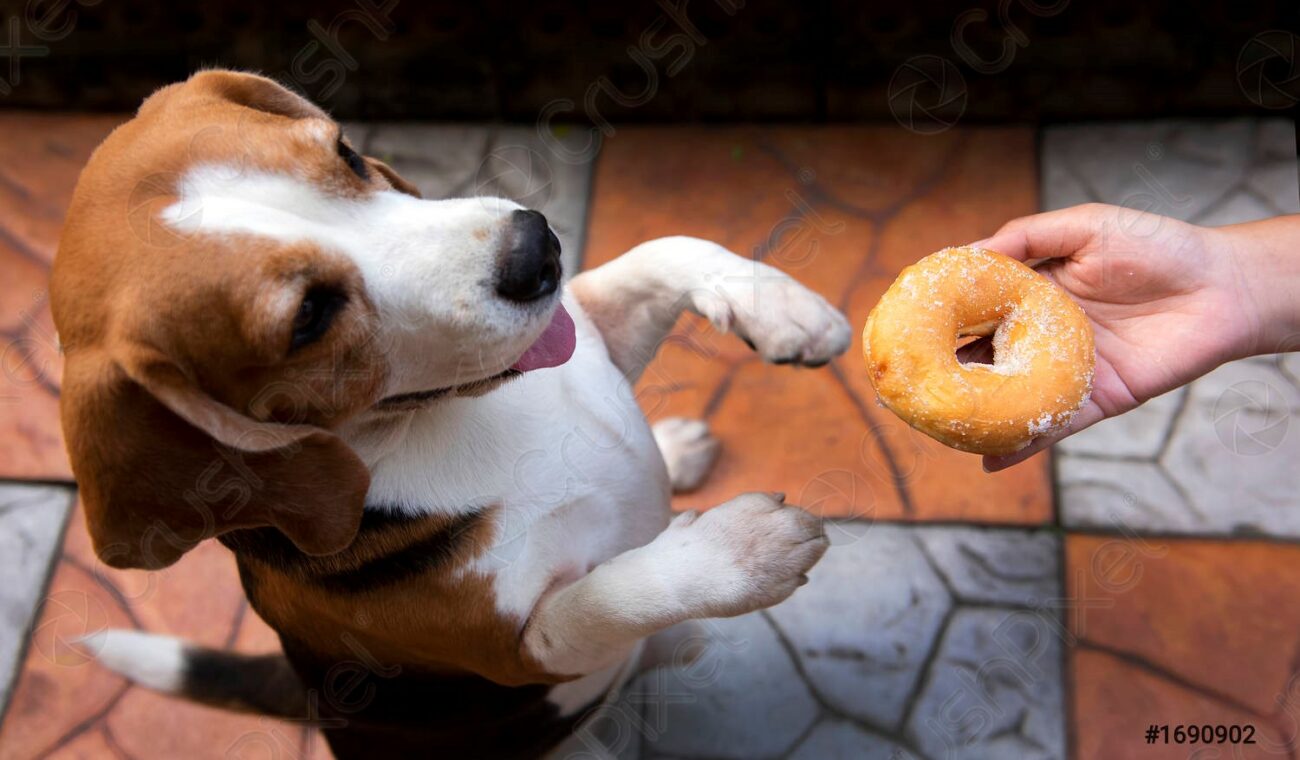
{"x": 1042, "y": 343}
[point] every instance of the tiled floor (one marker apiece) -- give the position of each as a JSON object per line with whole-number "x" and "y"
{"x": 843, "y": 210}
{"x": 970, "y": 619}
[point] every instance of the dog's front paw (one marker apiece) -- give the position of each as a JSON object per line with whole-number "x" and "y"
{"x": 747, "y": 554}
{"x": 785, "y": 322}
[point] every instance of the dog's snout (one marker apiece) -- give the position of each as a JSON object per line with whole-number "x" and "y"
{"x": 530, "y": 266}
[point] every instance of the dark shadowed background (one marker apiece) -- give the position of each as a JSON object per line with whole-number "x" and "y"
{"x": 673, "y": 60}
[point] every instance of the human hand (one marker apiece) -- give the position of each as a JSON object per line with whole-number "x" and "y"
{"x": 1168, "y": 301}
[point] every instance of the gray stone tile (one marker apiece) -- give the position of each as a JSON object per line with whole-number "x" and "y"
{"x": 1276, "y": 182}
{"x": 31, "y": 528}
{"x": 1165, "y": 166}
{"x": 458, "y": 161}
{"x": 1235, "y": 449}
{"x": 841, "y": 740}
{"x": 1276, "y": 141}
{"x": 614, "y": 730}
{"x": 1116, "y": 494}
{"x": 1289, "y": 364}
{"x": 898, "y": 666}
{"x": 994, "y": 690}
{"x": 996, "y": 566}
{"x": 1138, "y": 434}
{"x": 863, "y": 651}
{"x": 1193, "y": 170}
{"x": 1236, "y": 207}
{"x": 742, "y": 698}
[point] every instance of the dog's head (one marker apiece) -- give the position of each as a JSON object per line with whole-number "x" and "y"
{"x": 234, "y": 280}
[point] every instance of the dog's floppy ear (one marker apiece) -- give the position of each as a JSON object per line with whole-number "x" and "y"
{"x": 398, "y": 182}
{"x": 256, "y": 92}
{"x": 162, "y": 466}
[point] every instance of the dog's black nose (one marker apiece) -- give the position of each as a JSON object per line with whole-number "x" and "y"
{"x": 530, "y": 267}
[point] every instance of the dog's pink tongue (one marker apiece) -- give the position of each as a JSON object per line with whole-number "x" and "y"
{"x": 554, "y": 347}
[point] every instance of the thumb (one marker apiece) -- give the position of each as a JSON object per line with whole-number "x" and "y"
{"x": 1050, "y": 235}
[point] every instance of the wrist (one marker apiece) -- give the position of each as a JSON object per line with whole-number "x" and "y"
{"x": 1263, "y": 277}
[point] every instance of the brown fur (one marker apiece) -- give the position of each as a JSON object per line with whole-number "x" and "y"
{"x": 187, "y": 417}
{"x": 436, "y": 615}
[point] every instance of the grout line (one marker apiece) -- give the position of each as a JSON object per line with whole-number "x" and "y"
{"x": 1159, "y": 671}
{"x": 18, "y": 481}
{"x": 86, "y": 724}
{"x": 719, "y": 392}
{"x": 886, "y": 452}
{"x": 13, "y": 339}
{"x": 1175, "y": 420}
{"x": 829, "y": 710}
{"x": 23, "y": 250}
{"x": 238, "y": 623}
{"x": 1067, "y": 649}
{"x": 925, "y": 669}
{"x": 109, "y": 587}
{"x": 113, "y": 744}
{"x": 1181, "y": 490}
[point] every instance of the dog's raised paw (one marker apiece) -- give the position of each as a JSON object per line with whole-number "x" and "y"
{"x": 753, "y": 552}
{"x": 783, "y": 321}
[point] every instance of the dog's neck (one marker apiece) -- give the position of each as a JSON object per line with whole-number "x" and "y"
{"x": 450, "y": 455}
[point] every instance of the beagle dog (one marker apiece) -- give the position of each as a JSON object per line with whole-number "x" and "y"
{"x": 422, "y": 448}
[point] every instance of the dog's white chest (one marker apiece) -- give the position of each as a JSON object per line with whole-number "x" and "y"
{"x": 563, "y": 454}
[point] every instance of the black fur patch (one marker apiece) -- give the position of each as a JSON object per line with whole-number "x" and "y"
{"x": 418, "y": 558}
{"x": 269, "y": 546}
{"x": 262, "y": 684}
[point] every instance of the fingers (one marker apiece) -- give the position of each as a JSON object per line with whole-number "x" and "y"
{"x": 1088, "y": 416}
{"x": 1050, "y": 235}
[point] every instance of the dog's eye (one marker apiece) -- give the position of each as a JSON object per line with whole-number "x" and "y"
{"x": 354, "y": 161}
{"x": 317, "y": 310}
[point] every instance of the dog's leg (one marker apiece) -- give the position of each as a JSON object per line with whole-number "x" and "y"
{"x": 744, "y": 555}
{"x": 636, "y": 299}
{"x": 688, "y": 449}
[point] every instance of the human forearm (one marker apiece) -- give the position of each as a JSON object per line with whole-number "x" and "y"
{"x": 1265, "y": 274}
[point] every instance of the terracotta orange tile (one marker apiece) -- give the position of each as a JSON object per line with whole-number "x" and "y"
{"x": 147, "y": 724}
{"x": 817, "y": 461}
{"x": 715, "y": 183}
{"x": 254, "y": 635}
{"x": 691, "y": 366}
{"x": 869, "y": 170}
{"x": 1223, "y": 616}
{"x": 1115, "y": 701}
{"x": 843, "y": 209}
{"x": 59, "y": 688}
{"x": 40, "y": 159}
{"x": 199, "y": 598}
{"x": 93, "y": 744}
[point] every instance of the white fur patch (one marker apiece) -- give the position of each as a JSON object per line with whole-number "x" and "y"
{"x": 429, "y": 267}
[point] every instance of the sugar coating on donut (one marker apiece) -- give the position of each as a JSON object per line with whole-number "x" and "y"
{"x": 1041, "y": 373}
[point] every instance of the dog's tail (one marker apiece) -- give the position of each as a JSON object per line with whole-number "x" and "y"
{"x": 263, "y": 684}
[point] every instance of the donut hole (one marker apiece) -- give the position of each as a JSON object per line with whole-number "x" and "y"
{"x": 975, "y": 349}
{"x": 976, "y": 343}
